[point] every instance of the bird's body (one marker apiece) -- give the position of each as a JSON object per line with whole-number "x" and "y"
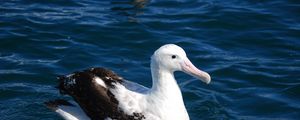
{"x": 103, "y": 95}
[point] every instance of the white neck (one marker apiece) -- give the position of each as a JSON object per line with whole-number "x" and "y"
{"x": 164, "y": 83}
{"x": 166, "y": 95}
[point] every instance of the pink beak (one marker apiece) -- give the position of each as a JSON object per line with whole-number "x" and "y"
{"x": 189, "y": 68}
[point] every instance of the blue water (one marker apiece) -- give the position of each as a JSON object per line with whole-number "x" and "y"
{"x": 251, "y": 48}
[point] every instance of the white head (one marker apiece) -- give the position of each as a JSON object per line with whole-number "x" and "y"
{"x": 172, "y": 58}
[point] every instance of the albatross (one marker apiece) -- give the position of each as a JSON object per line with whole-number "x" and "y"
{"x": 100, "y": 94}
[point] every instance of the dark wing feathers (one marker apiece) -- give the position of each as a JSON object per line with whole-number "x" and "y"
{"x": 95, "y": 100}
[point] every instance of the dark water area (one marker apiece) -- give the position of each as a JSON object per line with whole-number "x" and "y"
{"x": 251, "y": 48}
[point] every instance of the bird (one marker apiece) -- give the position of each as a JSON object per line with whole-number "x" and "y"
{"x": 100, "y": 94}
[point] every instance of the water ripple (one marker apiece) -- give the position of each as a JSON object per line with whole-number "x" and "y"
{"x": 250, "y": 48}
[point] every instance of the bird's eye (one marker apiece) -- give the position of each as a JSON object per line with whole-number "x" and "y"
{"x": 173, "y": 56}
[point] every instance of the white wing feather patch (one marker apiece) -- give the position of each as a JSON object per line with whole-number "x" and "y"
{"x": 100, "y": 82}
{"x": 132, "y": 102}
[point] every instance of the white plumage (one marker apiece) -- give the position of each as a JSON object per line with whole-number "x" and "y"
{"x": 161, "y": 102}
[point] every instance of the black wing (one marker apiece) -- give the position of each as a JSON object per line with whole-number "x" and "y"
{"x": 96, "y": 100}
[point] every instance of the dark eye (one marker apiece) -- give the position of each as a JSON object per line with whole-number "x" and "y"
{"x": 173, "y": 56}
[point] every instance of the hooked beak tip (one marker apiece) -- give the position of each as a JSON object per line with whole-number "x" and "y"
{"x": 204, "y": 76}
{"x": 208, "y": 79}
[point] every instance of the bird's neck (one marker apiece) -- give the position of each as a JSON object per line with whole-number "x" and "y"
{"x": 165, "y": 95}
{"x": 164, "y": 84}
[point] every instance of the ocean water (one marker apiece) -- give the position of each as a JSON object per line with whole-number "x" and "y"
{"x": 251, "y": 48}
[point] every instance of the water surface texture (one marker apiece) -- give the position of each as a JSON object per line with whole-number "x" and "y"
{"x": 251, "y": 48}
